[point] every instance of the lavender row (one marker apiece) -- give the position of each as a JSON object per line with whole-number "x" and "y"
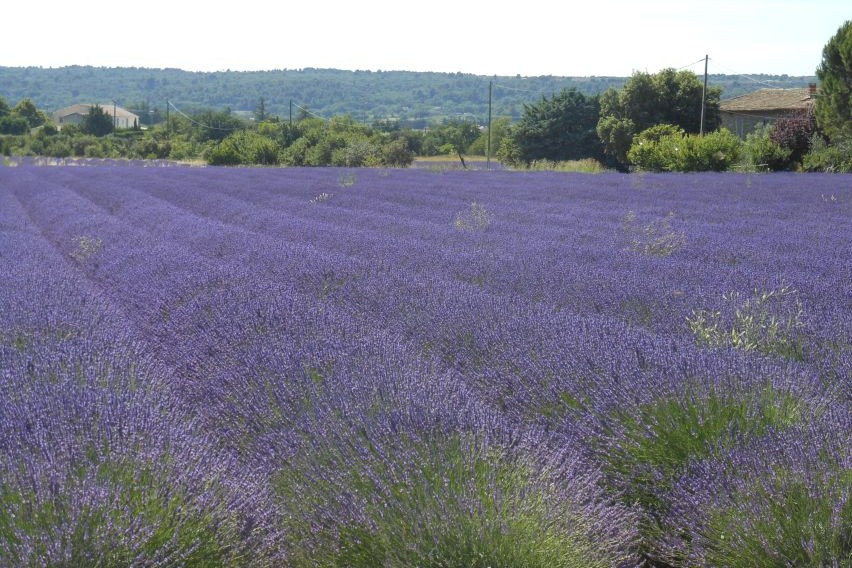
{"x": 99, "y": 463}
{"x": 308, "y": 359}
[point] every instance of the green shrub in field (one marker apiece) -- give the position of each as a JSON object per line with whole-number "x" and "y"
{"x": 656, "y": 238}
{"x": 477, "y": 218}
{"x": 769, "y": 322}
{"x": 660, "y": 150}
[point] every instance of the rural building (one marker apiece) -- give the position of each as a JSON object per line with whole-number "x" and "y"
{"x": 75, "y": 114}
{"x": 742, "y": 114}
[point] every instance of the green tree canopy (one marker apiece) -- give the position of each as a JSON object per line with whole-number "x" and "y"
{"x": 833, "y": 107}
{"x": 668, "y": 97}
{"x": 210, "y": 125}
{"x": 4, "y": 108}
{"x": 451, "y": 137}
{"x": 559, "y": 128}
{"x": 27, "y": 110}
{"x": 98, "y": 122}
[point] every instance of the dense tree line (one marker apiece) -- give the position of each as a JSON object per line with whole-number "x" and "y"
{"x": 416, "y": 98}
{"x": 224, "y": 138}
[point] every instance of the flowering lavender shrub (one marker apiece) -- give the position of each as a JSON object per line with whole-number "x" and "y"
{"x": 785, "y": 500}
{"x": 204, "y": 367}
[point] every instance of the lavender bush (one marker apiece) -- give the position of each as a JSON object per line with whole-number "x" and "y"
{"x": 205, "y": 367}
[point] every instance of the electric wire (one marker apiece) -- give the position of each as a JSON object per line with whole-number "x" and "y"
{"x": 201, "y": 124}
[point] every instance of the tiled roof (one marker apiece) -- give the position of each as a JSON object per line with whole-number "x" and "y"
{"x": 769, "y": 99}
{"x": 83, "y": 109}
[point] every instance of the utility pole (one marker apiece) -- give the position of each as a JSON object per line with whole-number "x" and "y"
{"x": 703, "y": 95}
{"x": 168, "y": 122}
{"x": 291, "y": 113}
{"x": 488, "y": 153}
{"x": 113, "y": 116}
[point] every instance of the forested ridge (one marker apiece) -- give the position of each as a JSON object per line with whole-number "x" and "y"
{"x": 365, "y": 95}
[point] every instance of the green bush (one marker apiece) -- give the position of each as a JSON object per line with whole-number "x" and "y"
{"x": 13, "y": 125}
{"x": 770, "y": 322}
{"x": 244, "y": 148}
{"x": 822, "y": 157}
{"x": 761, "y": 153}
{"x": 396, "y": 154}
{"x": 679, "y": 152}
{"x": 646, "y": 150}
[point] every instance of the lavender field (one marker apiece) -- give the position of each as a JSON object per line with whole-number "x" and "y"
{"x": 400, "y": 368}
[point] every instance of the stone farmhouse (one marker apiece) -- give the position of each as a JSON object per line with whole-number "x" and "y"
{"x": 742, "y": 114}
{"x": 75, "y": 114}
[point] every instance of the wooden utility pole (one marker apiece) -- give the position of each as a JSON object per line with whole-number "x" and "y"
{"x": 488, "y": 153}
{"x": 703, "y": 96}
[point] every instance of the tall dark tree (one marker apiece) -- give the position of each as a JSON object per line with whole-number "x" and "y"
{"x": 260, "y": 113}
{"x": 559, "y": 128}
{"x": 98, "y": 122}
{"x": 4, "y": 108}
{"x": 833, "y": 107}
{"x": 668, "y": 97}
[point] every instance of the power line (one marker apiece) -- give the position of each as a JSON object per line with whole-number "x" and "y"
{"x": 310, "y": 112}
{"x": 201, "y": 124}
{"x": 690, "y": 65}
{"x": 735, "y": 74}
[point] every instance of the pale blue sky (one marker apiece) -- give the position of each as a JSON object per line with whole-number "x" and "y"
{"x": 533, "y": 37}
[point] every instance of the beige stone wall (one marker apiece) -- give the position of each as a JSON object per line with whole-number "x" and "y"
{"x": 743, "y": 123}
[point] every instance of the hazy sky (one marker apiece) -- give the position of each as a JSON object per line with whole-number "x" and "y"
{"x": 529, "y": 37}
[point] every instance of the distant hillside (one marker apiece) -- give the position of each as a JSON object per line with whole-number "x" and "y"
{"x": 415, "y": 97}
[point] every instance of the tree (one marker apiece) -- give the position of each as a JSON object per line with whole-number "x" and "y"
{"x": 559, "y": 128}
{"x": 216, "y": 126}
{"x": 452, "y": 137}
{"x": 4, "y": 108}
{"x": 98, "y": 122}
{"x": 27, "y": 110}
{"x": 668, "y": 97}
{"x": 12, "y": 124}
{"x": 833, "y": 106}
{"x": 396, "y": 154}
{"x": 260, "y": 113}
{"x": 500, "y": 128}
